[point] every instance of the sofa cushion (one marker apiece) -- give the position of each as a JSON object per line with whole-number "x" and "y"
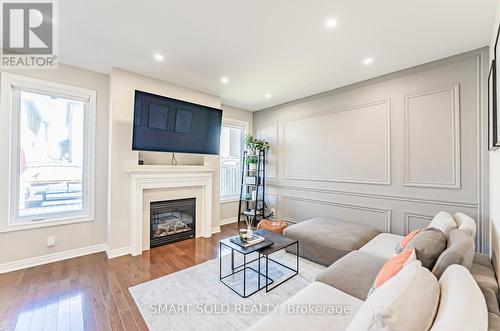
{"x": 460, "y": 250}
{"x": 353, "y": 274}
{"x": 324, "y": 241}
{"x": 493, "y": 322}
{"x": 465, "y": 223}
{"x": 428, "y": 245}
{"x": 314, "y": 295}
{"x": 382, "y": 245}
{"x": 462, "y": 305}
{"x": 484, "y": 260}
{"x": 405, "y": 241}
{"x": 392, "y": 266}
{"x": 444, "y": 222}
{"x": 408, "y": 301}
{"x": 485, "y": 277}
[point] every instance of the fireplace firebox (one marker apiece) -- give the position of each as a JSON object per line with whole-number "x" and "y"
{"x": 172, "y": 221}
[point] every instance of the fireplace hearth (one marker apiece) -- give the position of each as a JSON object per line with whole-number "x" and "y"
{"x": 172, "y": 220}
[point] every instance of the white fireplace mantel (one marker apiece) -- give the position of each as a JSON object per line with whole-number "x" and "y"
{"x": 161, "y": 177}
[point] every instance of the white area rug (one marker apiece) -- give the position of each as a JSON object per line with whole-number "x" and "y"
{"x": 195, "y": 299}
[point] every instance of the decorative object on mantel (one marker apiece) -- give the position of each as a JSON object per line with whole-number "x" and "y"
{"x": 253, "y": 175}
{"x": 272, "y": 225}
{"x": 174, "y": 160}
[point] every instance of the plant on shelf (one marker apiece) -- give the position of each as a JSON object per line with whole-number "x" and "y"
{"x": 252, "y": 161}
{"x": 254, "y": 144}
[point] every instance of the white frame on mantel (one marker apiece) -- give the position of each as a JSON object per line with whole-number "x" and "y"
{"x": 155, "y": 177}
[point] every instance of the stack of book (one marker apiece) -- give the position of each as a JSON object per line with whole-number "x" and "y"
{"x": 253, "y": 240}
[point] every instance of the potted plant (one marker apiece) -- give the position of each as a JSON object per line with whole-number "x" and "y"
{"x": 261, "y": 145}
{"x": 252, "y": 161}
{"x": 254, "y": 145}
{"x": 249, "y": 143}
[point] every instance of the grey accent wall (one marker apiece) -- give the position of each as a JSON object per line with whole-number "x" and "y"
{"x": 389, "y": 152}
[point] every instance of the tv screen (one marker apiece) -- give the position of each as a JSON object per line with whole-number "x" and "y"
{"x": 164, "y": 124}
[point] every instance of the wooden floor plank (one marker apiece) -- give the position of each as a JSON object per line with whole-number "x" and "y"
{"x": 91, "y": 292}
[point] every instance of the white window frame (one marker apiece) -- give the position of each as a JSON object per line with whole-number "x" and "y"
{"x": 234, "y": 123}
{"x": 11, "y": 86}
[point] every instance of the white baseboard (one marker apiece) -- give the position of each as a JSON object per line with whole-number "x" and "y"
{"x": 216, "y": 229}
{"x": 228, "y": 221}
{"x": 112, "y": 253}
{"x": 50, "y": 258}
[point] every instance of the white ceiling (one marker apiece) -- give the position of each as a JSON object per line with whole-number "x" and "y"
{"x": 280, "y": 47}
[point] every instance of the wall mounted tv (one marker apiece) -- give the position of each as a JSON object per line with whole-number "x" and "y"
{"x": 164, "y": 124}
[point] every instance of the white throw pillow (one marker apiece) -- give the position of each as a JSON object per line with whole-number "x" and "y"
{"x": 466, "y": 223}
{"x": 408, "y": 301}
{"x": 443, "y": 221}
{"x": 462, "y": 305}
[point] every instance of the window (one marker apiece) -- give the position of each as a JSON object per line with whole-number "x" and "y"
{"x": 52, "y": 146}
{"x": 231, "y": 150}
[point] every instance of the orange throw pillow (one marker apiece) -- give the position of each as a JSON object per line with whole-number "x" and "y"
{"x": 392, "y": 267}
{"x": 404, "y": 242}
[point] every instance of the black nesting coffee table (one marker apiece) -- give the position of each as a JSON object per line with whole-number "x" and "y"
{"x": 274, "y": 242}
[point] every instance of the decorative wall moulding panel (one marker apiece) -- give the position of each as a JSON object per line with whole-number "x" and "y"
{"x": 315, "y": 143}
{"x": 378, "y": 217}
{"x": 413, "y": 221}
{"x": 432, "y": 138}
{"x": 462, "y": 204}
{"x": 269, "y": 132}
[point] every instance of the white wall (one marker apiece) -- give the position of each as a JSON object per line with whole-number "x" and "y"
{"x": 495, "y": 175}
{"x": 31, "y": 243}
{"x": 122, "y": 87}
{"x": 389, "y": 152}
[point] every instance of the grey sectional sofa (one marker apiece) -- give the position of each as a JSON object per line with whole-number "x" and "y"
{"x": 358, "y": 256}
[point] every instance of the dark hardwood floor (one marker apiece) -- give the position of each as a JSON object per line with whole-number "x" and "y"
{"x": 91, "y": 292}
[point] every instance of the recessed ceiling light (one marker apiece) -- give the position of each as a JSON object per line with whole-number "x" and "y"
{"x": 368, "y": 61}
{"x": 224, "y": 80}
{"x": 330, "y": 23}
{"x": 158, "y": 57}
{"x": 268, "y": 95}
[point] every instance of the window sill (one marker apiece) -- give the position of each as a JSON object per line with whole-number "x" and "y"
{"x": 229, "y": 200}
{"x": 42, "y": 224}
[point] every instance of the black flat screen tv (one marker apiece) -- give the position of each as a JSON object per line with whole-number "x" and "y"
{"x": 164, "y": 124}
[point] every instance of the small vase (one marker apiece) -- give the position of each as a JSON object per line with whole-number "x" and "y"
{"x": 249, "y": 232}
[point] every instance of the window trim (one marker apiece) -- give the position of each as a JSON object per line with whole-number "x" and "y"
{"x": 11, "y": 85}
{"x": 237, "y": 124}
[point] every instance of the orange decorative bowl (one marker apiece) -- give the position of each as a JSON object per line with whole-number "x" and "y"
{"x": 275, "y": 226}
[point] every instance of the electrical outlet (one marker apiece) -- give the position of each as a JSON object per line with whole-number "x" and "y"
{"x": 51, "y": 241}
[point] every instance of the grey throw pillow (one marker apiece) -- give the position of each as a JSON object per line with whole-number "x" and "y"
{"x": 428, "y": 244}
{"x": 460, "y": 250}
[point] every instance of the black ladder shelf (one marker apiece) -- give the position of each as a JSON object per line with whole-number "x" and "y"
{"x": 252, "y": 180}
